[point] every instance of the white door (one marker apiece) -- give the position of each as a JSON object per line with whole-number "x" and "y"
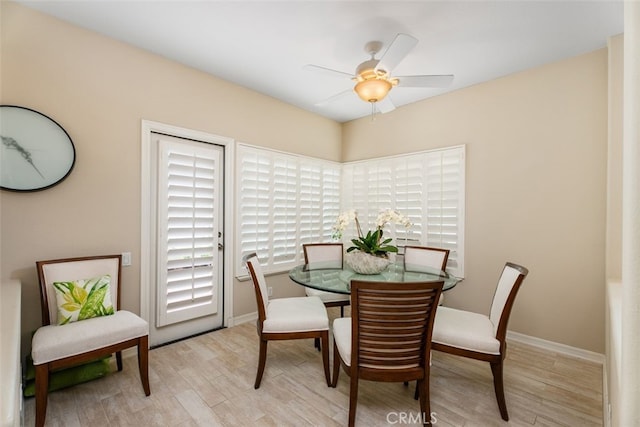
{"x": 188, "y": 296}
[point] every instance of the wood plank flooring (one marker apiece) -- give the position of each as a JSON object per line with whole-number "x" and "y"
{"x": 208, "y": 381}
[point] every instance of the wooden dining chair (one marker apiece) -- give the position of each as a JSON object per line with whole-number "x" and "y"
{"x": 319, "y": 256}
{"x": 388, "y": 337}
{"x": 416, "y": 257}
{"x": 325, "y": 255}
{"x": 286, "y": 318}
{"x": 425, "y": 259}
{"x": 482, "y": 337}
{"x": 82, "y": 321}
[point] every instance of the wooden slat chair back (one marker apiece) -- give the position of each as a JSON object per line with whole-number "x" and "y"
{"x": 388, "y": 337}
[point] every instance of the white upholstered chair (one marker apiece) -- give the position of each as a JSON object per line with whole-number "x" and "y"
{"x": 286, "y": 318}
{"x": 479, "y": 336}
{"x": 388, "y": 337}
{"x": 425, "y": 259}
{"x": 318, "y": 256}
{"x": 417, "y": 257}
{"x": 55, "y": 346}
{"x": 325, "y": 255}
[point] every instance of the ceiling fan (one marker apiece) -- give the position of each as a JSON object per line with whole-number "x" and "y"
{"x": 373, "y": 76}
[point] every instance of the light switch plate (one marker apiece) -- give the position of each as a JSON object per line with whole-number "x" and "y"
{"x": 126, "y": 259}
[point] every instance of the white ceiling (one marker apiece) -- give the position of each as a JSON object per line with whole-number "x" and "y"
{"x": 263, "y": 45}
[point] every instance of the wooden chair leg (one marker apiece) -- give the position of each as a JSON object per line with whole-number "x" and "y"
{"x": 42, "y": 389}
{"x": 425, "y": 405}
{"x": 353, "y": 400}
{"x": 119, "y": 360}
{"x": 498, "y": 385}
{"x": 143, "y": 363}
{"x": 342, "y": 311}
{"x": 316, "y": 343}
{"x": 262, "y": 359}
{"x": 336, "y": 365}
{"x": 325, "y": 357}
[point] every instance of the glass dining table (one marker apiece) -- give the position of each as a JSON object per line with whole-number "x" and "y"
{"x": 330, "y": 277}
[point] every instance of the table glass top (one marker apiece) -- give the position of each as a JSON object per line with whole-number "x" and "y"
{"x": 331, "y": 278}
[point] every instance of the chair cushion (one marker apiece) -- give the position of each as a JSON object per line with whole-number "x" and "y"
{"x": 326, "y": 296}
{"x": 54, "y": 342}
{"x": 83, "y": 299}
{"x": 297, "y": 314}
{"x": 466, "y": 330}
{"x": 342, "y": 338}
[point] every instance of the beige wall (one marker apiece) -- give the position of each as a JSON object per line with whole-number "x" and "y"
{"x": 536, "y": 166}
{"x": 535, "y": 188}
{"x": 615, "y": 67}
{"x": 99, "y": 90}
{"x": 613, "y": 313}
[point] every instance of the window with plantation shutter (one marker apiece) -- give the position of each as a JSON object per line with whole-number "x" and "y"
{"x": 188, "y": 225}
{"x": 427, "y": 187}
{"x": 284, "y": 201}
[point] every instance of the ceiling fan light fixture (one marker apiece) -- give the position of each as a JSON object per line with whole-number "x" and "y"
{"x": 373, "y": 78}
{"x": 373, "y": 90}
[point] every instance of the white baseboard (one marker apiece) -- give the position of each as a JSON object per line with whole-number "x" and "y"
{"x": 557, "y": 347}
{"x": 245, "y": 318}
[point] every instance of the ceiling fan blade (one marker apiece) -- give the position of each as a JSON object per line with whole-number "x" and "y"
{"x": 327, "y": 71}
{"x": 333, "y": 98}
{"x": 385, "y": 105}
{"x": 425, "y": 81}
{"x": 397, "y": 50}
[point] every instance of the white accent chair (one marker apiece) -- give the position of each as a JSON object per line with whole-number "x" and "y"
{"x": 426, "y": 259}
{"x": 482, "y": 337}
{"x": 286, "y": 318}
{"x": 389, "y": 337}
{"x": 325, "y": 255}
{"x": 60, "y": 346}
{"x": 418, "y": 257}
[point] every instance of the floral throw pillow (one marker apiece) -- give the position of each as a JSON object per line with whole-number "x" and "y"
{"x": 83, "y": 299}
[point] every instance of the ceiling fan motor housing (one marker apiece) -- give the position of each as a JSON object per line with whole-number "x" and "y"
{"x": 366, "y": 70}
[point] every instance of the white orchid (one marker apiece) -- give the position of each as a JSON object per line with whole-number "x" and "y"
{"x": 344, "y": 219}
{"x": 372, "y": 242}
{"x": 392, "y": 216}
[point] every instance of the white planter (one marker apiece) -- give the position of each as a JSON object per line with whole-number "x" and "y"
{"x": 364, "y": 263}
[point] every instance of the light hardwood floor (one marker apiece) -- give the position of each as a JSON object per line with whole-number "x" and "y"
{"x": 208, "y": 381}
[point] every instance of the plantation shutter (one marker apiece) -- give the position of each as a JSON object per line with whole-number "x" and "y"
{"x": 283, "y": 210}
{"x": 331, "y": 182}
{"x": 409, "y": 185}
{"x": 254, "y": 199}
{"x": 444, "y": 197}
{"x": 427, "y": 187}
{"x": 188, "y": 215}
{"x": 284, "y": 201}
